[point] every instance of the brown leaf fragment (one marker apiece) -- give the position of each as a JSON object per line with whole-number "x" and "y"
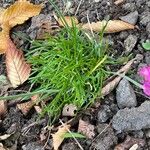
{"x": 129, "y": 142}
{"x": 25, "y": 107}
{"x": 111, "y": 26}
{"x": 3, "y": 108}
{"x": 69, "y": 110}
{"x": 58, "y": 137}
{"x": 118, "y": 2}
{"x": 19, "y": 12}
{"x": 113, "y": 82}
{"x": 67, "y": 19}
{"x": 86, "y": 129}
{"x": 18, "y": 70}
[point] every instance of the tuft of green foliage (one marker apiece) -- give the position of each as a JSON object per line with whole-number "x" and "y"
{"x": 72, "y": 63}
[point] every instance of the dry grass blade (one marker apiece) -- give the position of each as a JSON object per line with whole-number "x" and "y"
{"x": 67, "y": 19}
{"x": 112, "y": 26}
{"x": 18, "y": 70}
{"x": 19, "y": 12}
{"x": 112, "y": 84}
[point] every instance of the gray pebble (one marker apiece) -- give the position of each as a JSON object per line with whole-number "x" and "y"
{"x": 129, "y": 7}
{"x": 125, "y": 95}
{"x": 147, "y": 58}
{"x": 104, "y": 114}
{"x": 145, "y": 18}
{"x": 132, "y": 119}
{"x": 130, "y": 43}
{"x": 148, "y": 28}
{"x": 131, "y": 17}
{"x": 106, "y": 138}
{"x": 32, "y": 146}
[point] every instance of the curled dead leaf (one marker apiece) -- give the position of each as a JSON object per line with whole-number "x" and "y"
{"x": 25, "y": 107}
{"x": 58, "y": 137}
{"x": 18, "y": 70}
{"x": 110, "y": 26}
{"x": 86, "y": 128}
{"x": 70, "y": 21}
{"x": 19, "y": 12}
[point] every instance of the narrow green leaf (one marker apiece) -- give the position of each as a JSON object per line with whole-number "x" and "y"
{"x": 76, "y": 135}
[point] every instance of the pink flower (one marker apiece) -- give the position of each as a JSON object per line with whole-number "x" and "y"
{"x": 145, "y": 73}
{"x": 146, "y": 88}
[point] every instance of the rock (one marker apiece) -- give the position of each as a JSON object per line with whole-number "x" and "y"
{"x": 130, "y": 43}
{"x": 32, "y": 146}
{"x": 129, "y": 7}
{"x": 125, "y": 95}
{"x": 148, "y": 28}
{"x": 147, "y": 58}
{"x": 145, "y": 18}
{"x": 70, "y": 146}
{"x": 104, "y": 114}
{"x": 106, "y": 138}
{"x": 131, "y": 17}
{"x": 132, "y": 119}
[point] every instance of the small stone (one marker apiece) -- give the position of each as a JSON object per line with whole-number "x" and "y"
{"x": 132, "y": 119}
{"x": 106, "y": 138}
{"x": 147, "y": 58}
{"x": 129, "y": 7}
{"x": 148, "y": 28}
{"x": 32, "y": 146}
{"x": 130, "y": 43}
{"x": 104, "y": 114}
{"x": 70, "y": 146}
{"x": 125, "y": 95}
{"x": 131, "y": 17}
{"x": 145, "y": 18}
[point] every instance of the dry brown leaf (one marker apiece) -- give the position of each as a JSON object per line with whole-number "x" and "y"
{"x": 112, "y": 26}
{"x": 69, "y": 20}
{"x": 58, "y": 137}
{"x": 19, "y": 12}
{"x": 18, "y": 70}
{"x": 86, "y": 129}
{"x": 4, "y": 36}
{"x": 3, "y": 108}
{"x": 25, "y": 107}
{"x": 114, "y": 82}
{"x": 69, "y": 110}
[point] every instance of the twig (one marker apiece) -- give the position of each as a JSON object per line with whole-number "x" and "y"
{"x": 90, "y": 25}
{"x": 78, "y": 7}
{"x": 72, "y": 135}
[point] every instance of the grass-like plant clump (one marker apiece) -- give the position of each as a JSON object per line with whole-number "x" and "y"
{"x": 71, "y": 63}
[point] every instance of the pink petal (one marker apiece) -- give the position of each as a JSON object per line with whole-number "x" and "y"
{"x": 145, "y": 73}
{"x": 146, "y": 88}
